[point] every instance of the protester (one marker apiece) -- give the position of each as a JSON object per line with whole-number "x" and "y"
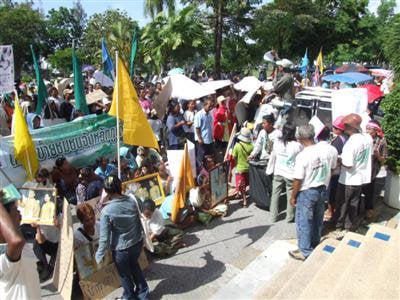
{"x": 355, "y": 172}
{"x": 65, "y": 178}
{"x": 175, "y": 125}
{"x": 281, "y": 165}
{"x": 338, "y": 142}
{"x": 203, "y": 131}
{"x": 166, "y": 239}
{"x": 34, "y": 121}
{"x": 121, "y": 230}
{"x": 89, "y": 229}
{"x": 379, "y": 155}
{"x": 241, "y": 153}
{"x": 265, "y": 140}
{"x": 157, "y": 126}
{"x": 312, "y": 173}
{"x": 220, "y": 126}
{"x": 104, "y": 168}
{"x": 46, "y": 243}
{"x": 66, "y": 108}
{"x": 42, "y": 179}
{"x": 54, "y": 97}
{"x": 188, "y": 115}
{"x": 283, "y": 83}
{"x": 17, "y": 281}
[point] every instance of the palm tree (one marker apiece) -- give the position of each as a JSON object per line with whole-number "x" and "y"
{"x": 154, "y": 7}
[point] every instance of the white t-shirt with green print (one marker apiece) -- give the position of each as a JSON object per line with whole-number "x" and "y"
{"x": 357, "y": 155}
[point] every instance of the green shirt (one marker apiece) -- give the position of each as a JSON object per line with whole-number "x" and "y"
{"x": 240, "y": 153}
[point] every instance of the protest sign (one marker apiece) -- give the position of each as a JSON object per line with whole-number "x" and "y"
{"x": 6, "y": 69}
{"x": 96, "y": 95}
{"x": 347, "y": 101}
{"x": 81, "y": 142}
{"x": 175, "y": 157}
{"x": 63, "y": 270}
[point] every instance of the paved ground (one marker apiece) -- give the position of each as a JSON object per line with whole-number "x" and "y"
{"x": 214, "y": 254}
{"x": 218, "y": 252}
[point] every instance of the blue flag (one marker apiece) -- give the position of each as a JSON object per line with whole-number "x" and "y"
{"x": 304, "y": 64}
{"x": 108, "y": 65}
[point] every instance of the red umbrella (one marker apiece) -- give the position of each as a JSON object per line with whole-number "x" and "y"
{"x": 351, "y": 68}
{"x": 374, "y": 92}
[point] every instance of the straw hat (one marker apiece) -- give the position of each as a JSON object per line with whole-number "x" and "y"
{"x": 245, "y": 135}
{"x": 221, "y": 99}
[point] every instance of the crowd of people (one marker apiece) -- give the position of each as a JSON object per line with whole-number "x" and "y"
{"x": 323, "y": 173}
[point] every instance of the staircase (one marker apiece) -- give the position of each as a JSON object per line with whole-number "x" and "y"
{"x": 357, "y": 267}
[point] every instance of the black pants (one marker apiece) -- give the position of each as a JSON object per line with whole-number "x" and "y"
{"x": 203, "y": 150}
{"x": 347, "y": 203}
{"x": 48, "y": 248}
{"x": 369, "y": 192}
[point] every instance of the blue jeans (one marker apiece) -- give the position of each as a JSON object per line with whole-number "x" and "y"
{"x": 309, "y": 218}
{"x": 130, "y": 273}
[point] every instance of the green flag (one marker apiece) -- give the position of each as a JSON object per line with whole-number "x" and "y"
{"x": 79, "y": 93}
{"x": 42, "y": 93}
{"x": 133, "y": 53}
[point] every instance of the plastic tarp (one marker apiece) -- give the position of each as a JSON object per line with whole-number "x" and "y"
{"x": 248, "y": 84}
{"x": 182, "y": 87}
{"x": 350, "y": 77}
{"x": 216, "y": 84}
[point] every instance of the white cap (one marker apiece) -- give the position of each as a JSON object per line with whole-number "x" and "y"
{"x": 284, "y": 63}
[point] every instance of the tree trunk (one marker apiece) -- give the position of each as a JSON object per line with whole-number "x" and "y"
{"x": 218, "y": 37}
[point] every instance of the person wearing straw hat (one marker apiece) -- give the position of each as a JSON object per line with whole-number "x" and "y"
{"x": 17, "y": 281}
{"x": 354, "y": 173}
{"x": 241, "y": 152}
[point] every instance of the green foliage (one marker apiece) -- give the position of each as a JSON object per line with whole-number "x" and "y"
{"x": 62, "y": 60}
{"x": 392, "y": 44}
{"x": 154, "y": 7}
{"x": 116, "y": 27}
{"x": 64, "y": 26}
{"x": 173, "y": 41}
{"x": 391, "y": 127}
{"x": 21, "y": 26}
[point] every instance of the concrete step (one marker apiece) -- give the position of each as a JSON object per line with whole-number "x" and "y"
{"x": 366, "y": 274}
{"x": 394, "y": 222}
{"x": 320, "y": 286}
{"x": 271, "y": 288}
{"x": 245, "y": 284}
{"x": 305, "y": 273}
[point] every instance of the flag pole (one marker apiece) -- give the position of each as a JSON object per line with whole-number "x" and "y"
{"x": 117, "y": 99}
{"x": 29, "y": 163}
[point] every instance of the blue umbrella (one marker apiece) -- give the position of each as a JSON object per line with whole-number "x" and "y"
{"x": 88, "y": 68}
{"x": 176, "y": 71}
{"x": 350, "y": 77}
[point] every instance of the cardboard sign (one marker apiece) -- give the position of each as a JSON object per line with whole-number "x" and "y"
{"x": 63, "y": 270}
{"x": 95, "y": 96}
{"x": 101, "y": 283}
{"x": 161, "y": 102}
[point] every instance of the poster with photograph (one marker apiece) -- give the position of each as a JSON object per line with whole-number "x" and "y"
{"x": 38, "y": 205}
{"x": 219, "y": 183}
{"x": 146, "y": 187}
{"x": 85, "y": 259}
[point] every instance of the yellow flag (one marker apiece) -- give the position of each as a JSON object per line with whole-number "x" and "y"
{"x": 136, "y": 128}
{"x": 185, "y": 183}
{"x": 24, "y": 148}
{"x": 320, "y": 63}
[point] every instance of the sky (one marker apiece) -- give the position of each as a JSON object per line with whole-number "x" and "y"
{"x": 134, "y": 8}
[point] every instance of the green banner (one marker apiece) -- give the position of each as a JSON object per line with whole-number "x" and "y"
{"x": 80, "y": 141}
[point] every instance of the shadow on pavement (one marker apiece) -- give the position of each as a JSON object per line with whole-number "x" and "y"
{"x": 254, "y": 233}
{"x": 180, "y": 279}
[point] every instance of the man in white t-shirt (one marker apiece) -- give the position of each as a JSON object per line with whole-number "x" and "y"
{"x": 312, "y": 173}
{"x": 18, "y": 279}
{"x": 354, "y": 173}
